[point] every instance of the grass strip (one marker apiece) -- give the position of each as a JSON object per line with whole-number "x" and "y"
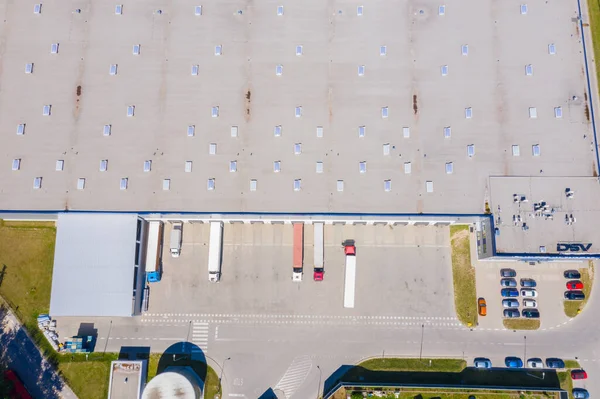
{"x": 573, "y": 308}
{"x": 521, "y": 324}
{"x": 408, "y": 364}
{"x": 463, "y": 276}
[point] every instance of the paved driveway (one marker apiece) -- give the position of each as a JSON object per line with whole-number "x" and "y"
{"x": 402, "y": 271}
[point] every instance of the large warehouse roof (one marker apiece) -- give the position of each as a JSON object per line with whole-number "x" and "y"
{"x": 312, "y": 107}
{"x": 94, "y": 265}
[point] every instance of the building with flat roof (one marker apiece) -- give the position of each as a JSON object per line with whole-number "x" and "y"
{"x": 291, "y": 108}
{"x": 96, "y": 265}
{"x": 127, "y": 379}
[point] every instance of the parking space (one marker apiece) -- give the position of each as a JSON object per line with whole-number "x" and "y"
{"x": 401, "y": 271}
{"x": 550, "y": 287}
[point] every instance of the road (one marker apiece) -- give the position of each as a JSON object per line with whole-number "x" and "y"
{"x": 21, "y": 355}
{"x": 283, "y": 351}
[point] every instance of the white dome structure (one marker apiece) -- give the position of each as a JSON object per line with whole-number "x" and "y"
{"x": 175, "y": 383}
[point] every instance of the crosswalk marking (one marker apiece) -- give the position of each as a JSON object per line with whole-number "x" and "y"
{"x": 294, "y": 375}
{"x": 200, "y": 337}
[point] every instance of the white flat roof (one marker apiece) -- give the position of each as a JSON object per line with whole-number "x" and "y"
{"x": 241, "y": 85}
{"x": 94, "y": 265}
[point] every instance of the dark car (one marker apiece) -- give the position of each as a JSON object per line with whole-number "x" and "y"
{"x": 555, "y": 363}
{"x": 508, "y": 282}
{"x": 572, "y": 274}
{"x": 508, "y": 273}
{"x": 528, "y": 282}
{"x": 578, "y": 374}
{"x": 574, "y": 295}
{"x": 531, "y": 313}
{"x": 580, "y": 393}
{"x": 511, "y": 313}
{"x": 509, "y": 292}
{"x": 574, "y": 285}
{"x": 513, "y": 362}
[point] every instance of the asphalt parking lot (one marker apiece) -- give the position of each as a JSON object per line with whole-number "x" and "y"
{"x": 550, "y": 288}
{"x": 401, "y": 271}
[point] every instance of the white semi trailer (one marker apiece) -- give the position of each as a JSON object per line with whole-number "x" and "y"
{"x": 214, "y": 251}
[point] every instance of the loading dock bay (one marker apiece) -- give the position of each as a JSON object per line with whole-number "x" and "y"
{"x": 401, "y": 271}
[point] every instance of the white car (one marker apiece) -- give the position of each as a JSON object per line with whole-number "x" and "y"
{"x": 535, "y": 363}
{"x": 529, "y": 293}
{"x": 529, "y": 303}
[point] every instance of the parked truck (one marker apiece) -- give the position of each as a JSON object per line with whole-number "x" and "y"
{"x": 350, "y": 279}
{"x": 318, "y": 253}
{"x": 214, "y": 251}
{"x": 176, "y": 239}
{"x": 298, "y": 251}
{"x": 153, "y": 251}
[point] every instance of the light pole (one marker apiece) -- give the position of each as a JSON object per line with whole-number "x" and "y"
{"x": 319, "y": 386}
{"x": 107, "y": 338}
{"x": 525, "y": 348}
{"x": 422, "y": 333}
{"x": 222, "y": 369}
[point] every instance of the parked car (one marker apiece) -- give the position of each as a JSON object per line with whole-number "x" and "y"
{"x": 535, "y": 363}
{"x": 580, "y": 393}
{"x": 578, "y": 374}
{"x": 513, "y": 362}
{"x": 575, "y": 295}
{"x": 529, "y": 303}
{"x": 574, "y": 285}
{"x": 511, "y": 313}
{"x": 531, "y": 313}
{"x": 482, "y": 363}
{"x": 509, "y": 292}
{"x": 510, "y": 303}
{"x": 528, "y": 282}
{"x": 508, "y": 273}
{"x": 572, "y": 274}
{"x": 508, "y": 282}
{"x": 482, "y": 307}
{"x": 555, "y": 363}
{"x": 529, "y": 293}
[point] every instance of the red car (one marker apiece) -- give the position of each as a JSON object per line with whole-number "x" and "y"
{"x": 18, "y": 390}
{"x": 574, "y": 285}
{"x": 578, "y": 374}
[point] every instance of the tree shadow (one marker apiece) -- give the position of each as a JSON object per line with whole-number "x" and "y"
{"x": 19, "y": 353}
{"x": 495, "y": 378}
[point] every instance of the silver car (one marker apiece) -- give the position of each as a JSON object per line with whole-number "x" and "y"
{"x": 510, "y": 303}
{"x": 529, "y": 303}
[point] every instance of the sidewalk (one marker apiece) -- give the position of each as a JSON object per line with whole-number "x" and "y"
{"x": 22, "y": 355}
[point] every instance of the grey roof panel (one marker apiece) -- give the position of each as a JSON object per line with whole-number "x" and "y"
{"x": 93, "y": 265}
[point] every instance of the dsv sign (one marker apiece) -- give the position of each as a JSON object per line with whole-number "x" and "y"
{"x": 564, "y": 247}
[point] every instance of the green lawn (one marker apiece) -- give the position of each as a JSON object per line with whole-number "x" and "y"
{"x": 401, "y": 364}
{"x": 463, "y": 275}
{"x": 26, "y": 259}
{"x": 572, "y": 364}
{"x": 572, "y": 308}
{"x": 566, "y": 382}
{"x": 594, "y": 12}
{"x": 521, "y": 324}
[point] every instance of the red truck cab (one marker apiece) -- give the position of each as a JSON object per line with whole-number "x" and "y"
{"x": 349, "y": 249}
{"x": 318, "y": 274}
